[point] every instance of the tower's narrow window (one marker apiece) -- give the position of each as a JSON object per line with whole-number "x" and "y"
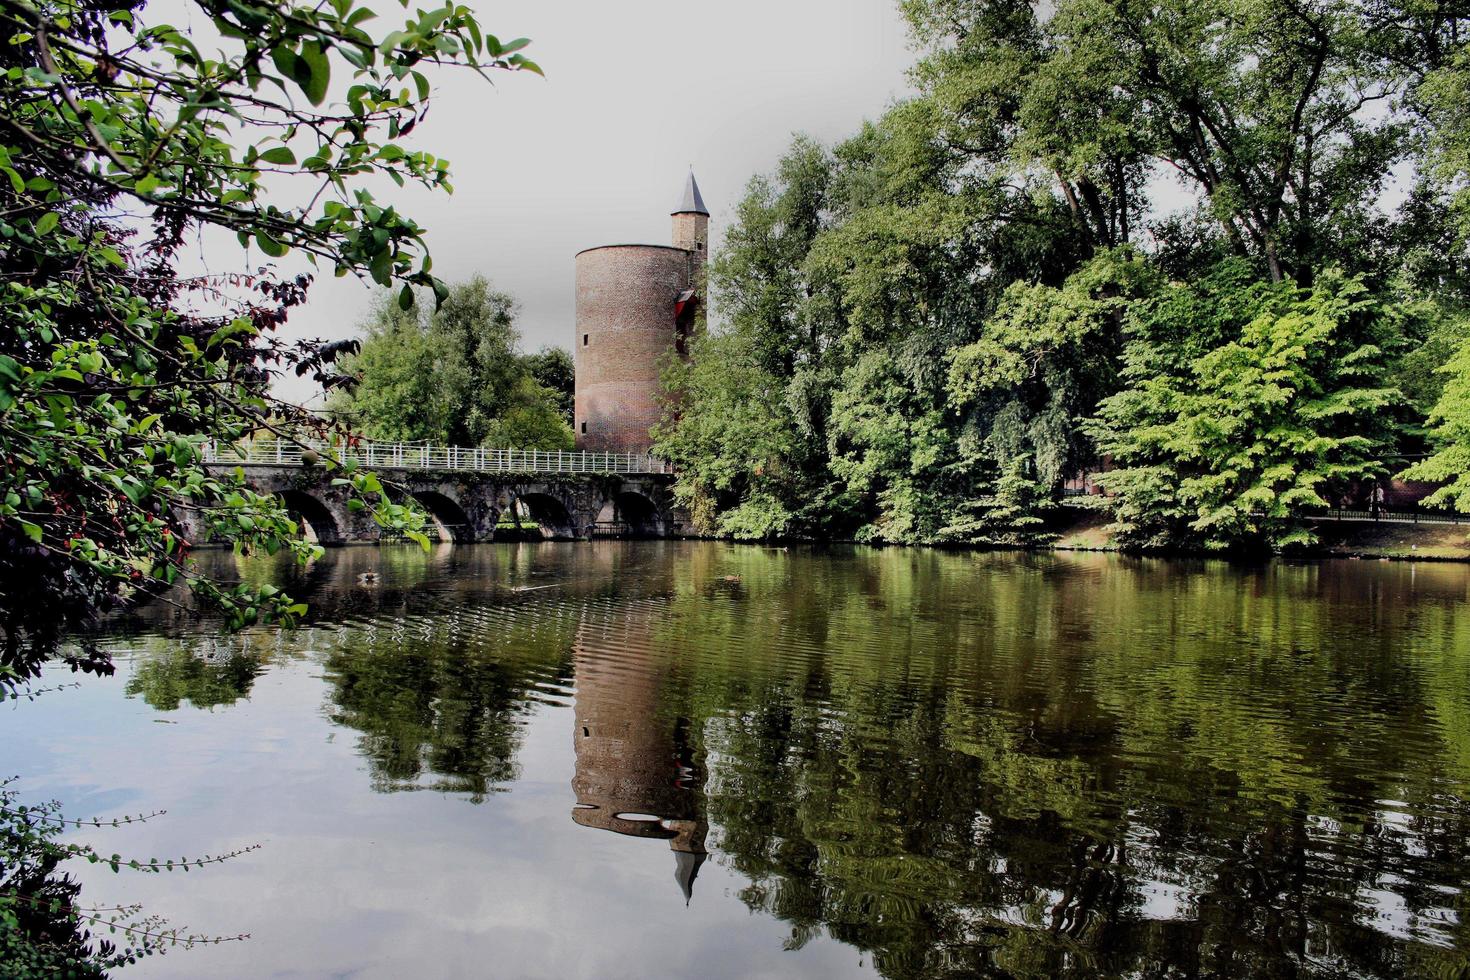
{"x": 584, "y": 340}
{"x": 584, "y": 428}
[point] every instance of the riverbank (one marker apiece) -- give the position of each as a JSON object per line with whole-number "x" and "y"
{"x": 1085, "y": 530}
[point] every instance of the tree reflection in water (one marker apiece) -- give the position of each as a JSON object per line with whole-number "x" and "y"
{"x": 963, "y": 764}
{"x": 206, "y": 672}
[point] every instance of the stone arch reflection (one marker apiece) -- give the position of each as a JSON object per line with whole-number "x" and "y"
{"x": 639, "y": 771}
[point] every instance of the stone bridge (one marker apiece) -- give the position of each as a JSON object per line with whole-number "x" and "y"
{"x": 475, "y": 497}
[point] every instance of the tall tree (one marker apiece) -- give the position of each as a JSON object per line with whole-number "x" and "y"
{"x": 1285, "y": 118}
{"x": 1450, "y": 422}
{"x": 1234, "y": 445}
{"x": 451, "y": 375}
{"x": 553, "y": 369}
{"x": 933, "y": 309}
{"x": 121, "y": 138}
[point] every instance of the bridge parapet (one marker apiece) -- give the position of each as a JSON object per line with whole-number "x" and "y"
{"x": 469, "y": 498}
{"x": 423, "y": 457}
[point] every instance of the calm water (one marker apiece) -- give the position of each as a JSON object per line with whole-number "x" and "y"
{"x": 697, "y": 759}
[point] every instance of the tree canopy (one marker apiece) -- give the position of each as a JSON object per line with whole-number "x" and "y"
{"x": 454, "y": 375}
{"x": 123, "y": 138}
{"x": 1217, "y": 248}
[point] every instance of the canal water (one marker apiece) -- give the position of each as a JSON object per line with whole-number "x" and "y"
{"x": 669, "y": 759}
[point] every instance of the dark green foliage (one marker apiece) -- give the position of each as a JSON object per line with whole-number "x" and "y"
{"x": 452, "y": 376}
{"x": 1231, "y": 443}
{"x": 1450, "y": 421}
{"x": 1445, "y": 92}
{"x": 123, "y": 142}
{"x": 553, "y": 369}
{"x": 1012, "y": 513}
{"x": 743, "y": 464}
{"x": 922, "y": 321}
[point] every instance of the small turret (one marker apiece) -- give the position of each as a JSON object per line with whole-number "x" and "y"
{"x": 691, "y": 228}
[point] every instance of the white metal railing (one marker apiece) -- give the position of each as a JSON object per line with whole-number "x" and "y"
{"x": 422, "y": 456}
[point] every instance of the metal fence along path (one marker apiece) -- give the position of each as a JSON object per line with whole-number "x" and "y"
{"x": 423, "y": 457}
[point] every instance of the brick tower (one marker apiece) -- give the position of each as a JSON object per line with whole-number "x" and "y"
{"x": 635, "y": 303}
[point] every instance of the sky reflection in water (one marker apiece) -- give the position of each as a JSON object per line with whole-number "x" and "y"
{"x": 680, "y": 759}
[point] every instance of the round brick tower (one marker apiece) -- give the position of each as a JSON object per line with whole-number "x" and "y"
{"x": 635, "y": 303}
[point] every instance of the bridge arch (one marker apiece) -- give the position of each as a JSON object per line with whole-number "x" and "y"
{"x": 316, "y": 518}
{"x": 445, "y": 514}
{"x": 637, "y": 514}
{"x": 551, "y": 514}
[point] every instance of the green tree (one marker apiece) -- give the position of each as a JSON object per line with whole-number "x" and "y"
{"x": 553, "y": 369}
{"x": 450, "y": 375}
{"x": 937, "y": 304}
{"x": 746, "y": 415}
{"x": 851, "y": 279}
{"x": 407, "y": 381}
{"x": 121, "y": 139}
{"x": 1284, "y": 120}
{"x": 530, "y": 418}
{"x": 730, "y": 433}
{"x": 1445, "y": 93}
{"x": 1450, "y": 421}
{"x": 1045, "y": 358}
{"x": 1233, "y": 444}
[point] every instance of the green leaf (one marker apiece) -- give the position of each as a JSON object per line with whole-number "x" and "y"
{"x": 526, "y": 64}
{"x": 47, "y": 222}
{"x": 32, "y": 531}
{"x": 270, "y": 246}
{"x": 279, "y": 154}
{"x": 286, "y": 60}
{"x": 319, "y": 72}
{"x": 405, "y": 298}
{"x": 357, "y": 57}
{"x": 381, "y": 268}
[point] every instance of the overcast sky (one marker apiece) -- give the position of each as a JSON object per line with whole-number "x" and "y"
{"x": 596, "y": 152}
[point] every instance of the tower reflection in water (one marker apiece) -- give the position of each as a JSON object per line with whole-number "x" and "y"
{"x": 637, "y": 772}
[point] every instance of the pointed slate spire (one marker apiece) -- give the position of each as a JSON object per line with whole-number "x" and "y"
{"x": 691, "y": 202}
{"x": 686, "y": 869}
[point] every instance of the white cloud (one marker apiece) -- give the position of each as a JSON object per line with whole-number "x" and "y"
{"x": 595, "y": 153}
